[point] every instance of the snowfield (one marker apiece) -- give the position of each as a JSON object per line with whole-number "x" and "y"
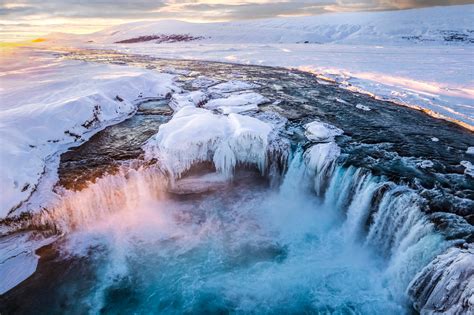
{"x": 420, "y": 58}
{"x": 49, "y": 105}
{"x": 429, "y": 25}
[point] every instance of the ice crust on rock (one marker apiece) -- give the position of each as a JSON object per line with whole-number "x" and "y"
{"x": 321, "y": 132}
{"x": 237, "y": 103}
{"x": 196, "y": 135}
{"x": 468, "y": 168}
{"x": 203, "y": 82}
{"x": 425, "y": 164}
{"x": 180, "y": 100}
{"x": 363, "y": 107}
{"x": 446, "y": 285}
{"x": 232, "y": 86}
{"x": 320, "y": 160}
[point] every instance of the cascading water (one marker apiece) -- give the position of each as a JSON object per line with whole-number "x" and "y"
{"x": 129, "y": 190}
{"x": 248, "y": 248}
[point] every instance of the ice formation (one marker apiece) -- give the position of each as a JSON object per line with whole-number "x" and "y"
{"x": 468, "y": 168}
{"x": 470, "y": 150}
{"x": 321, "y": 132}
{"x": 237, "y": 103}
{"x": 232, "y": 86}
{"x": 203, "y": 82}
{"x": 446, "y": 285}
{"x": 363, "y": 107}
{"x": 425, "y": 164}
{"x": 320, "y": 159}
{"x": 194, "y": 99}
{"x": 197, "y": 135}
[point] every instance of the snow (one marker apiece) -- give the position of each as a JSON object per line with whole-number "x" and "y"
{"x": 232, "y": 86}
{"x": 18, "y": 260}
{"x": 426, "y": 164}
{"x": 237, "y": 103}
{"x": 51, "y": 105}
{"x": 470, "y": 150}
{"x": 441, "y": 85}
{"x": 193, "y": 99}
{"x": 321, "y": 132}
{"x": 468, "y": 168}
{"x": 402, "y": 56}
{"x": 424, "y": 26}
{"x": 363, "y": 107}
{"x": 197, "y": 135}
{"x": 203, "y": 82}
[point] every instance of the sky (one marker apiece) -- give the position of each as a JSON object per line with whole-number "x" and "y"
{"x": 29, "y": 19}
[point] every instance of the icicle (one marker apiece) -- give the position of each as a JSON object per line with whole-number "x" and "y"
{"x": 197, "y": 135}
{"x": 320, "y": 159}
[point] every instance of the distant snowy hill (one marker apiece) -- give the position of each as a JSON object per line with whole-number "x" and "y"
{"x": 453, "y": 24}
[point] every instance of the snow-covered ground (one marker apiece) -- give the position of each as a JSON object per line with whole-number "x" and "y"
{"x": 49, "y": 105}
{"x": 420, "y": 57}
{"x": 429, "y": 25}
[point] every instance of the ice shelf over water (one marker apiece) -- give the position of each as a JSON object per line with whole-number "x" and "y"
{"x": 196, "y": 135}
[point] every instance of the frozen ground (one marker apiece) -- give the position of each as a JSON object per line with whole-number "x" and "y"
{"x": 421, "y": 58}
{"x": 49, "y": 105}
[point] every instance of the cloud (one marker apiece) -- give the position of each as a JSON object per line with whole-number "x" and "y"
{"x": 108, "y": 12}
{"x": 227, "y": 9}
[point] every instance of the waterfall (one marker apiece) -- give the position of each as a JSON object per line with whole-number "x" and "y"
{"x": 359, "y": 208}
{"x": 388, "y": 218}
{"x": 295, "y": 175}
{"x": 404, "y": 234}
{"x": 369, "y": 214}
{"x": 127, "y": 190}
